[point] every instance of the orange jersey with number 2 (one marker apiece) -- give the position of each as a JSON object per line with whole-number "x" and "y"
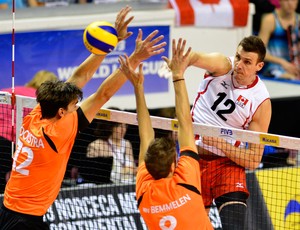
{"x": 39, "y": 163}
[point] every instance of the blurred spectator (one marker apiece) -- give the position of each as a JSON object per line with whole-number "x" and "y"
{"x": 280, "y": 32}
{"x": 7, "y": 135}
{"x": 55, "y": 3}
{"x": 292, "y": 157}
{"x": 27, "y": 90}
{"x": 278, "y": 157}
{"x": 111, "y": 145}
{"x": 30, "y": 87}
{"x": 7, "y": 4}
{"x": 261, "y": 7}
{"x": 275, "y": 3}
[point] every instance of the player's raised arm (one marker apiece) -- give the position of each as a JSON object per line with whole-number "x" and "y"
{"x": 144, "y": 49}
{"x": 178, "y": 65}
{"x": 146, "y": 131}
{"x": 208, "y": 62}
{"x": 83, "y": 74}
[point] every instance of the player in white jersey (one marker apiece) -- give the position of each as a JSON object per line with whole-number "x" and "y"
{"x": 232, "y": 105}
{"x": 233, "y": 96}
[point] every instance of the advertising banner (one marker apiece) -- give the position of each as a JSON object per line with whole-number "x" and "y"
{"x": 95, "y": 207}
{"x": 61, "y": 51}
{"x": 280, "y": 189}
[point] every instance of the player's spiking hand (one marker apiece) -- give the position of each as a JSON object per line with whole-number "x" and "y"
{"x": 148, "y": 47}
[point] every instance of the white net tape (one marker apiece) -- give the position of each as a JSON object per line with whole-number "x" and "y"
{"x": 170, "y": 124}
{"x": 205, "y": 130}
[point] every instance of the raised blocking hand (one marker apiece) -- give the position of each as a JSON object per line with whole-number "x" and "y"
{"x": 121, "y": 25}
{"x": 136, "y": 79}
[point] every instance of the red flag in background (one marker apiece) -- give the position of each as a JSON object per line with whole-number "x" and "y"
{"x": 184, "y": 12}
{"x": 210, "y": 1}
{"x": 240, "y": 11}
{"x": 211, "y": 13}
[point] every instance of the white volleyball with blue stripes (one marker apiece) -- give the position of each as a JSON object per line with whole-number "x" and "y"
{"x": 100, "y": 37}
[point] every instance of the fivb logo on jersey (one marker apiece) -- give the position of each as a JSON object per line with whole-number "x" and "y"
{"x": 241, "y": 101}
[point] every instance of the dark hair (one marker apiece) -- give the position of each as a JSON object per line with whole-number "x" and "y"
{"x": 254, "y": 44}
{"x": 53, "y": 95}
{"x": 160, "y": 155}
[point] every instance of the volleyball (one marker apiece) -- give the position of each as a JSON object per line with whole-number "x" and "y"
{"x": 100, "y": 37}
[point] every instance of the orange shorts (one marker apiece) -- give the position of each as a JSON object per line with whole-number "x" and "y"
{"x": 221, "y": 176}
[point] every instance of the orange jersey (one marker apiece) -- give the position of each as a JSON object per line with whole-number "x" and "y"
{"x": 176, "y": 202}
{"x": 39, "y": 163}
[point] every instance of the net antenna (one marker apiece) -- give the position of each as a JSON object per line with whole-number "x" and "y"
{"x": 13, "y": 96}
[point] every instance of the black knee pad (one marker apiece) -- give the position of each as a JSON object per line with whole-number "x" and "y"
{"x": 232, "y": 210}
{"x": 232, "y": 196}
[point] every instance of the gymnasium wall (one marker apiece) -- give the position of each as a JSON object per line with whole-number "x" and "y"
{"x": 222, "y": 40}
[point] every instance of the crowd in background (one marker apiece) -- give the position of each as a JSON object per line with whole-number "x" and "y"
{"x": 276, "y": 22}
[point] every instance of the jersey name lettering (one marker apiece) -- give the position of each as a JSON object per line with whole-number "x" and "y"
{"x": 31, "y": 139}
{"x": 172, "y": 205}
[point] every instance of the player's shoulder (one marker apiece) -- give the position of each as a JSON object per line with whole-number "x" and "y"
{"x": 190, "y": 153}
{"x": 261, "y": 84}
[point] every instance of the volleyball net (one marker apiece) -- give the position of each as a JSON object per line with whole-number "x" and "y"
{"x": 98, "y": 191}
